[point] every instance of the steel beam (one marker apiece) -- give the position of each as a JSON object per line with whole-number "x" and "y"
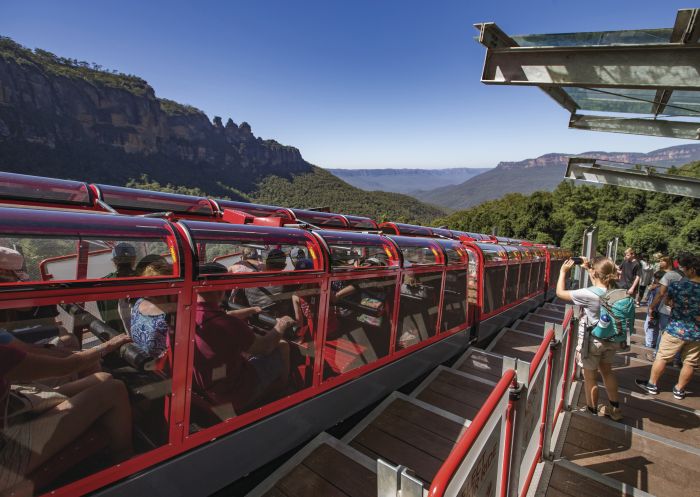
{"x": 588, "y": 170}
{"x": 649, "y": 127}
{"x": 491, "y": 36}
{"x": 656, "y": 67}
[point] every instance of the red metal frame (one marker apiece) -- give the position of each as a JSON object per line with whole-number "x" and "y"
{"x": 464, "y": 444}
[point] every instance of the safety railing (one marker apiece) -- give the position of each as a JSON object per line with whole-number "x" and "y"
{"x": 499, "y": 452}
{"x": 479, "y": 460}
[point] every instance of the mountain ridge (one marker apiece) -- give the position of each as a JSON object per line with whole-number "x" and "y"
{"x": 542, "y": 173}
{"x": 405, "y": 180}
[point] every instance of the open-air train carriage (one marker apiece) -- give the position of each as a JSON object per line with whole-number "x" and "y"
{"x": 370, "y": 312}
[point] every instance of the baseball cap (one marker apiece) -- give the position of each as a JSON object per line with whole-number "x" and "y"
{"x": 11, "y": 260}
{"x": 123, "y": 250}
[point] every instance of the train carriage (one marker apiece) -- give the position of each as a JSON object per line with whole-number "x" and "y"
{"x": 370, "y": 312}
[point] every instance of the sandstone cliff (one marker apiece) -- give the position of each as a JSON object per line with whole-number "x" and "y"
{"x": 68, "y": 118}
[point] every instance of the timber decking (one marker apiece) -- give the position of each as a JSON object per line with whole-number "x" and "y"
{"x": 519, "y": 345}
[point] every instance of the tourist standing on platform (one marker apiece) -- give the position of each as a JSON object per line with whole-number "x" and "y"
{"x": 651, "y": 324}
{"x": 596, "y": 354}
{"x": 646, "y": 277}
{"x": 631, "y": 272}
{"x": 682, "y": 335}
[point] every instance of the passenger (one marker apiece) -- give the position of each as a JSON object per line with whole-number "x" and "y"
{"x": 651, "y": 325}
{"x": 299, "y": 255}
{"x": 123, "y": 258}
{"x": 35, "y": 318}
{"x": 267, "y": 297}
{"x": 116, "y": 313}
{"x": 231, "y": 382}
{"x": 151, "y": 329}
{"x": 682, "y": 335}
{"x": 28, "y": 442}
{"x": 250, "y": 262}
{"x": 601, "y": 353}
{"x": 646, "y": 277}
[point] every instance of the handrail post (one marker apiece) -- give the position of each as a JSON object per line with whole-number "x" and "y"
{"x": 554, "y": 403}
{"x": 388, "y": 479}
{"x": 571, "y": 363}
{"x": 517, "y": 394}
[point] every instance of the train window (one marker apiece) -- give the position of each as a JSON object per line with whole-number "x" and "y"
{"x": 525, "y": 275}
{"x": 454, "y": 305}
{"x": 251, "y": 249}
{"x": 358, "y": 251}
{"x": 418, "y": 308}
{"x": 360, "y": 321}
{"x": 473, "y": 273}
{"x": 512, "y": 282}
{"x": 494, "y": 280}
{"x": 419, "y": 251}
{"x": 106, "y": 399}
{"x": 240, "y": 362}
{"x": 256, "y": 257}
{"x": 454, "y": 251}
{"x": 26, "y": 259}
{"x": 492, "y": 253}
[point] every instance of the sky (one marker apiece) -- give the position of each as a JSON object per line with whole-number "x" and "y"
{"x": 352, "y": 84}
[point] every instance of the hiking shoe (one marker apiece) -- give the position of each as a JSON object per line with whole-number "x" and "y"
{"x": 647, "y": 387}
{"x": 678, "y": 393}
{"x": 614, "y": 413}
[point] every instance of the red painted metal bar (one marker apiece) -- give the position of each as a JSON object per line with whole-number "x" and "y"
{"x": 465, "y": 443}
{"x": 544, "y": 347}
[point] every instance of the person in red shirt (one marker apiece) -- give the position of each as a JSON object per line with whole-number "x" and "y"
{"x": 233, "y": 366}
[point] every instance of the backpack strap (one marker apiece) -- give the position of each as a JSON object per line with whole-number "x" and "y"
{"x": 608, "y": 300}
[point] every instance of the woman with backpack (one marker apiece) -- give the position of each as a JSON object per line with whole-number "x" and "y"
{"x": 607, "y": 317}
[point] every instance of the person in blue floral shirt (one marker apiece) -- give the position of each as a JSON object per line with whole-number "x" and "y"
{"x": 683, "y": 331}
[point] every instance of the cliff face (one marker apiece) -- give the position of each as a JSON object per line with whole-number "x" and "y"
{"x": 54, "y": 112}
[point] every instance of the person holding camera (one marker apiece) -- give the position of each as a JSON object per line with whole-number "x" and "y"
{"x": 594, "y": 354}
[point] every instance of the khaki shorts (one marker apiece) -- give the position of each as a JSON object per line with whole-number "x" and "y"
{"x": 599, "y": 351}
{"x": 670, "y": 346}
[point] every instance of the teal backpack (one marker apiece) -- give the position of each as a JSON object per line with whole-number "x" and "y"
{"x": 620, "y": 308}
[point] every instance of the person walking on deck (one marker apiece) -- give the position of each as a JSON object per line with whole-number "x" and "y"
{"x": 597, "y": 354}
{"x": 682, "y": 333}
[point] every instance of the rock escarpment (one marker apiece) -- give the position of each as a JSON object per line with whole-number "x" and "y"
{"x": 72, "y": 119}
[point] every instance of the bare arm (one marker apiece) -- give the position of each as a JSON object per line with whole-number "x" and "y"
{"x": 38, "y": 366}
{"x": 659, "y": 297}
{"x": 562, "y": 292}
{"x": 245, "y": 313}
{"x": 633, "y": 288}
{"x": 265, "y": 344}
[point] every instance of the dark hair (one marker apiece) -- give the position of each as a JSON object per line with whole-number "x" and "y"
{"x": 212, "y": 268}
{"x": 686, "y": 259}
{"x": 276, "y": 259}
{"x": 659, "y": 274}
{"x": 691, "y": 262}
{"x": 149, "y": 260}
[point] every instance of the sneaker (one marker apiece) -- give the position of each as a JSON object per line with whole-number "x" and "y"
{"x": 614, "y": 413}
{"x": 647, "y": 387}
{"x": 678, "y": 393}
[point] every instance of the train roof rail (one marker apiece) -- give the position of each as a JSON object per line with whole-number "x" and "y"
{"x": 405, "y": 229}
{"x": 137, "y": 201}
{"x": 39, "y": 190}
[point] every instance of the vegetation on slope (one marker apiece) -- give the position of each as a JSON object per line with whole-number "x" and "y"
{"x": 647, "y": 221}
{"x": 321, "y": 189}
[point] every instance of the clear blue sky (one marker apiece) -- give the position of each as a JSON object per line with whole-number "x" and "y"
{"x": 352, "y": 84}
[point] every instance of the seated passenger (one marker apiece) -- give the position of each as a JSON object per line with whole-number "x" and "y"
{"x": 150, "y": 316}
{"x": 116, "y": 313}
{"x": 234, "y": 368}
{"x": 297, "y": 256}
{"x": 249, "y": 263}
{"x": 29, "y": 438}
{"x": 265, "y": 297}
{"x": 34, "y": 318}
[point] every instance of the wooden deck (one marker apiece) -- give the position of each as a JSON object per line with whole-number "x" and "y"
{"x": 655, "y": 448}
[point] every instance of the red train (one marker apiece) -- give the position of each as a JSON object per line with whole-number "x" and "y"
{"x": 364, "y": 308}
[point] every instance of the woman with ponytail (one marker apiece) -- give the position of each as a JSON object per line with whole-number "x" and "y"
{"x": 599, "y": 354}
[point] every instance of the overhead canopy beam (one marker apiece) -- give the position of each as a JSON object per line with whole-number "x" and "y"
{"x": 584, "y": 169}
{"x": 655, "y": 67}
{"x": 649, "y": 127}
{"x": 491, "y": 36}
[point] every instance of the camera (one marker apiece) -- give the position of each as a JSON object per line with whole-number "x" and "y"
{"x": 577, "y": 260}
